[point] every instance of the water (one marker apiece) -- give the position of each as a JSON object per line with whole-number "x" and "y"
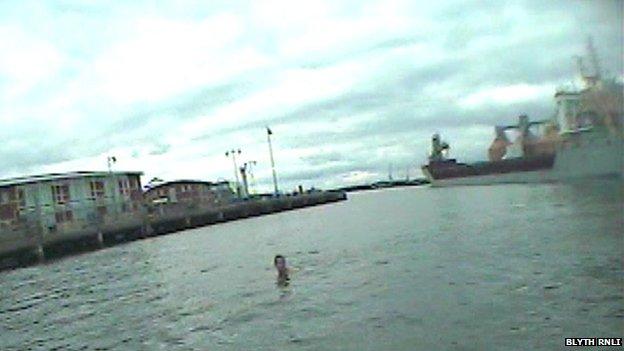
{"x": 473, "y": 268}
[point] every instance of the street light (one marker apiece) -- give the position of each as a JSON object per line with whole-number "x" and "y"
{"x": 110, "y": 160}
{"x": 233, "y": 153}
{"x": 269, "y": 133}
{"x": 248, "y": 167}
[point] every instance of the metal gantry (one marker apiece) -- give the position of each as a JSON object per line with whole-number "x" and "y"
{"x": 232, "y": 153}
{"x": 248, "y": 166}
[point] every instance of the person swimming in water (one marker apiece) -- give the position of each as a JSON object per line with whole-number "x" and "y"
{"x": 282, "y": 271}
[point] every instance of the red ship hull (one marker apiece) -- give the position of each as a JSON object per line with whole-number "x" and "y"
{"x": 448, "y": 169}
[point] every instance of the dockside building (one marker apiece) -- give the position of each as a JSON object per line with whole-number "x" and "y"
{"x": 182, "y": 196}
{"x": 41, "y": 210}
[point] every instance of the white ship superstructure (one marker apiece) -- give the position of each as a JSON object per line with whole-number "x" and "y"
{"x": 590, "y": 122}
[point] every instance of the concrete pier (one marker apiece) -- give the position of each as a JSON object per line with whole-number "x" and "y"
{"x": 149, "y": 225}
{"x": 167, "y": 223}
{"x": 39, "y": 253}
{"x": 99, "y": 239}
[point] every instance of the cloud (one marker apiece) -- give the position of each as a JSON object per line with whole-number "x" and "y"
{"x": 506, "y": 95}
{"x": 25, "y": 61}
{"x": 323, "y": 158}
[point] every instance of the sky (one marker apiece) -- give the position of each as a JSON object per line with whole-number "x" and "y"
{"x": 352, "y": 90}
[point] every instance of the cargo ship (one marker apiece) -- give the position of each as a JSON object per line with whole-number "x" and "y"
{"x": 583, "y": 139}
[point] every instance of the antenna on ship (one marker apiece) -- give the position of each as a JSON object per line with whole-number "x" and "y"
{"x": 590, "y": 78}
{"x": 591, "y": 51}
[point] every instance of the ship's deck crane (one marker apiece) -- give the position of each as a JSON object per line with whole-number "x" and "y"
{"x": 438, "y": 148}
{"x": 498, "y": 148}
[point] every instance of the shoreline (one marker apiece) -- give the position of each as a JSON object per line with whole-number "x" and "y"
{"x": 151, "y": 225}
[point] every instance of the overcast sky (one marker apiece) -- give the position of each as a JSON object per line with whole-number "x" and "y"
{"x": 348, "y": 87}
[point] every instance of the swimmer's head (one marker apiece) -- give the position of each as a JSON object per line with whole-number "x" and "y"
{"x": 280, "y": 263}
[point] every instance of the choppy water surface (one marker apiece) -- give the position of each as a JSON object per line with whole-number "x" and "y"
{"x": 472, "y": 268}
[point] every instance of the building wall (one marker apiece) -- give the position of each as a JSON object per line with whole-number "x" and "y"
{"x": 70, "y": 207}
{"x": 8, "y": 206}
{"x": 178, "y": 197}
{"x": 567, "y": 110}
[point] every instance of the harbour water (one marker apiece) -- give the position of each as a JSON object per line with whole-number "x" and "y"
{"x": 509, "y": 267}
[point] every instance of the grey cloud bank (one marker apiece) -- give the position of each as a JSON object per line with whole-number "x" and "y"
{"x": 348, "y": 87}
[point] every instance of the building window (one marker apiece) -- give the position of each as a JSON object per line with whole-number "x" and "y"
{"x": 102, "y": 211}
{"x": 183, "y": 188}
{"x": 4, "y": 196}
{"x": 64, "y": 216}
{"x": 60, "y": 194}
{"x": 134, "y": 184}
{"x": 124, "y": 187}
{"x": 97, "y": 189}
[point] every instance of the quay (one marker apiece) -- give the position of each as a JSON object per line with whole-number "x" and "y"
{"x": 163, "y": 224}
{"x": 55, "y": 215}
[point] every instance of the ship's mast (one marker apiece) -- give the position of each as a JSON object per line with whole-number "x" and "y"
{"x": 591, "y": 51}
{"x": 590, "y": 78}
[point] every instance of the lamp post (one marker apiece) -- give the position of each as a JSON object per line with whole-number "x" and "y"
{"x": 110, "y": 160}
{"x": 269, "y": 133}
{"x": 110, "y": 184}
{"x": 233, "y": 153}
{"x": 248, "y": 167}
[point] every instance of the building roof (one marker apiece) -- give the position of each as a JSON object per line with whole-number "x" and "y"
{"x": 59, "y": 176}
{"x": 567, "y": 93}
{"x": 185, "y": 181}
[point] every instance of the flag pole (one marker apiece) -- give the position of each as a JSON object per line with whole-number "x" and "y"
{"x": 269, "y": 133}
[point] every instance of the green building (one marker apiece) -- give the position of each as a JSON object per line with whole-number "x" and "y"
{"x": 36, "y": 211}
